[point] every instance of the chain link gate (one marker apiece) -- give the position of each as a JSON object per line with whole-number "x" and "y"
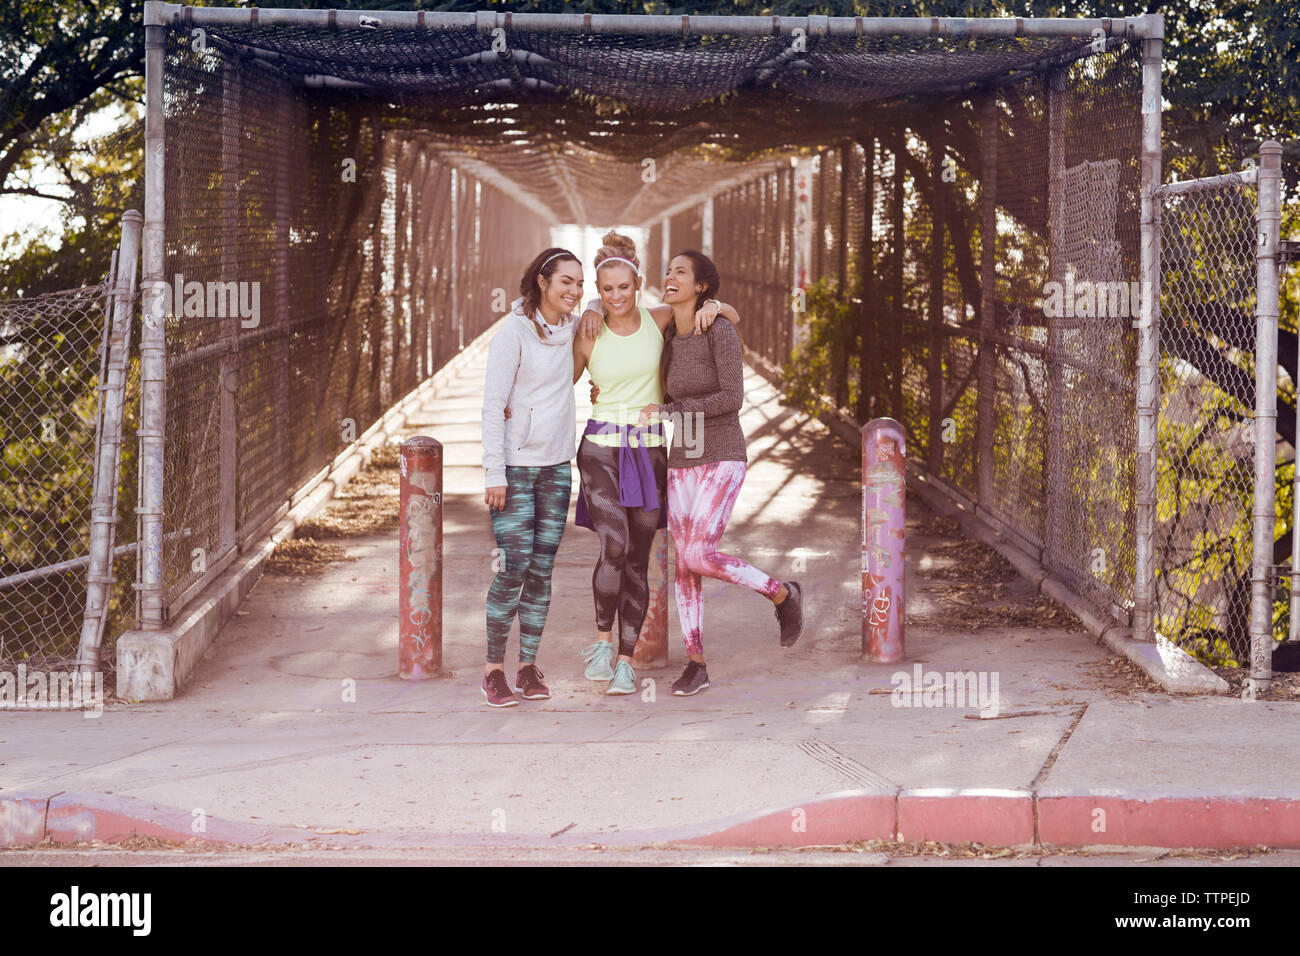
{"x": 1216, "y": 470}
{"x": 68, "y": 393}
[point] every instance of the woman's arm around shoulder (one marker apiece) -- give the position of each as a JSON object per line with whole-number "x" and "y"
{"x": 705, "y": 317}
{"x": 582, "y": 344}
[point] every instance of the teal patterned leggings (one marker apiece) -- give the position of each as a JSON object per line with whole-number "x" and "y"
{"x": 528, "y": 535}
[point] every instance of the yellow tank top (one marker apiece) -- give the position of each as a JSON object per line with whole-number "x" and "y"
{"x": 626, "y": 367}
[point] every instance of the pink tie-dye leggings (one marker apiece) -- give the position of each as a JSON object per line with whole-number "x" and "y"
{"x": 700, "y": 500}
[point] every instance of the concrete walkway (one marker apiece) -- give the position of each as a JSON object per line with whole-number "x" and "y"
{"x": 261, "y": 745}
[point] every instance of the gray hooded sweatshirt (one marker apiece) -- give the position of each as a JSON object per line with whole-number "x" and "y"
{"x": 534, "y": 376}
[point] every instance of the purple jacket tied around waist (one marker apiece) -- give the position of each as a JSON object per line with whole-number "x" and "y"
{"x": 636, "y": 475}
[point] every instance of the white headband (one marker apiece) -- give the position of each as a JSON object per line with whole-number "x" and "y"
{"x": 563, "y": 252}
{"x": 610, "y": 259}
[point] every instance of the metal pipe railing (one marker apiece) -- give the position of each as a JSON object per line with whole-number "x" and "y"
{"x": 1267, "y": 223}
{"x": 108, "y": 452}
{"x": 1148, "y": 356}
{"x": 990, "y": 122}
{"x": 178, "y": 15}
{"x": 1245, "y": 177}
{"x": 153, "y": 354}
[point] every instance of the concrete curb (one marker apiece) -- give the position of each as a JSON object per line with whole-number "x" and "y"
{"x": 1099, "y": 818}
{"x": 154, "y": 665}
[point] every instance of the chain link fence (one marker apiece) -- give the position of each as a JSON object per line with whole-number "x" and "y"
{"x": 974, "y": 273}
{"x": 52, "y": 353}
{"x": 1206, "y": 435}
{"x": 1018, "y": 374}
{"x": 321, "y": 262}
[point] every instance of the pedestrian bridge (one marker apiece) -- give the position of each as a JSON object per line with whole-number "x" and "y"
{"x": 889, "y": 201}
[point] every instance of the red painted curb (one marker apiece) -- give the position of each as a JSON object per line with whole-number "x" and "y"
{"x": 1217, "y": 821}
{"x": 74, "y": 818}
{"x": 816, "y": 822}
{"x": 993, "y": 817}
{"x": 990, "y": 817}
{"x": 71, "y": 820}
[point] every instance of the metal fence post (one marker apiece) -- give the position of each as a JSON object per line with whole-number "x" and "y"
{"x": 803, "y": 246}
{"x": 1268, "y": 221}
{"x": 285, "y": 453}
{"x": 899, "y": 251}
{"x": 706, "y": 226}
{"x": 842, "y": 263}
{"x": 984, "y": 417}
{"x": 228, "y": 383}
{"x": 398, "y": 318}
{"x": 453, "y": 267}
{"x": 153, "y": 358}
{"x": 665, "y": 248}
{"x": 1053, "y": 455}
{"x": 934, "y": 358}
{"x": 1293, "y": 617}
{"x": 842, "y": 289}
{"x": 1148, "y": 343}
{"x": 867, "y": 311}
{"x": 103, "y": 513}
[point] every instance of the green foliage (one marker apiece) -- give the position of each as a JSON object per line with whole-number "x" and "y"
{"x": 829, "y": 330}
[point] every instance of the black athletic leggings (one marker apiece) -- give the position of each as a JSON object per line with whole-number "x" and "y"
{"x": 626, "y": 537}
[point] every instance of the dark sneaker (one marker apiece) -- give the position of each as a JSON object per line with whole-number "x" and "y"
{"x": 693, "y": 680}
{"x": 789, "y": 614}
{"x": 528, "y": 683}
{"x": 497, "y": 692}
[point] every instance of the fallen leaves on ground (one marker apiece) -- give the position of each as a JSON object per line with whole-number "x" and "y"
{"x": 1285, "y": 685}
{"x": 297, "y": 557}
{"x": 368, "y": 504}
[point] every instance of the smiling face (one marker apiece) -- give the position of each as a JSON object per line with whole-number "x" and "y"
{"x": 563, "y": 291}
{"x": 617, "y": 285}
{"x": 679, "y": 282}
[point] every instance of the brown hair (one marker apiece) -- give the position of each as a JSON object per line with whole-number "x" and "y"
{"x": 547, "y": 261}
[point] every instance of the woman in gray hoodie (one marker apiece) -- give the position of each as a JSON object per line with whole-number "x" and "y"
{"x": 527, "y": 460}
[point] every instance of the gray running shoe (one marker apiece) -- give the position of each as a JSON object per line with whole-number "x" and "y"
{"x": 789, "y": 614}
{"x": 693, "y": 680}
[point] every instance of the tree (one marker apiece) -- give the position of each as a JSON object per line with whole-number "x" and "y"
{"x": 62, "y": 63}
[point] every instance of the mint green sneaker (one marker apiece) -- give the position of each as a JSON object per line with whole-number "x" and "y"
{"x": 600, "y": 660}
{"x": 623, "y": 681}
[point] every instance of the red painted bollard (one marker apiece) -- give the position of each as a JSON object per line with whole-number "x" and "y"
{"x": 420, "y": 602}
{"x": 883, "y": 516}
{"x": 652, "y": 644}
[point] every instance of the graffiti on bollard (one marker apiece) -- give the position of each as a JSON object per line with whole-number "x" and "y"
{"x": 883, "y": 521}
{"x": 420, "y": 591}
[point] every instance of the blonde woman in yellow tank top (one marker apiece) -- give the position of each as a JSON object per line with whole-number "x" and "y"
{"x": 623, "y": 465}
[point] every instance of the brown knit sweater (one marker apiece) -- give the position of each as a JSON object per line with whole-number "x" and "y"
{"x": 709, "y": 381}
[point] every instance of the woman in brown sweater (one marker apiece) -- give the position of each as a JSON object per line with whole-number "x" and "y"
{"x": 703, "y": 383}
